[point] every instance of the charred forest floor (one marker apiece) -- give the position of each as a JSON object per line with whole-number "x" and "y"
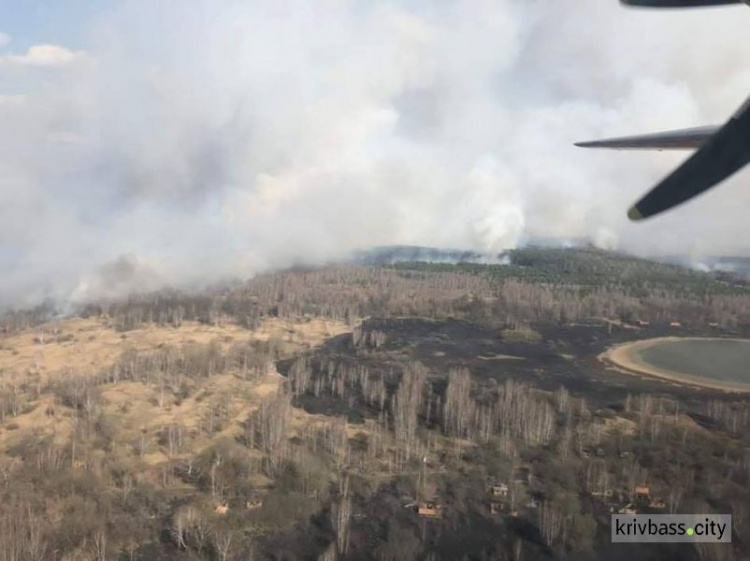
{"x": 566, "y": 356}
{"x": 563, "y": 357}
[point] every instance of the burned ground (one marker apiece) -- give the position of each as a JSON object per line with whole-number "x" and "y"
{"x": 565, "y": 356}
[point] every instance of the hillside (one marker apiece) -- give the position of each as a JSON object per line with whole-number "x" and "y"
{"x": 410, "y": 410}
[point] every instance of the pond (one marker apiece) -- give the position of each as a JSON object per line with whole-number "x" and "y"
{"x": 722, "y": 360}
{"x": 703, "y": 361}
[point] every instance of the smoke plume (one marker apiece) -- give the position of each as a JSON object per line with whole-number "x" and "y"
{"x": 201, "y": 140}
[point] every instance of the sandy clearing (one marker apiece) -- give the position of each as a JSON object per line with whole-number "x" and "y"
{"x": 500, "y": 357}
{"x": 622, "y": 425}
{"x": 85, "y": 346}
{"x": 36, "y": 421}
{"x": 88, "y": 345}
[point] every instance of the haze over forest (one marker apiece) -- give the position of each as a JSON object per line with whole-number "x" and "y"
{"x": 144, "y": 144}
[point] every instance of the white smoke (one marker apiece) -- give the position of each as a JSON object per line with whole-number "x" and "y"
{"x": 211, "y": 139}
{"x": 605, "y": 238}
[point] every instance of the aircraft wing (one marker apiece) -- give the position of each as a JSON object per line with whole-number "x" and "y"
{"x": 672, "y": 140}
{"x": 721, "y": 153}
{"x": 680, "y": 3}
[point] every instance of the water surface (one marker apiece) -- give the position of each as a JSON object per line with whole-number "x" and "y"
{"x": 721, "y": 360}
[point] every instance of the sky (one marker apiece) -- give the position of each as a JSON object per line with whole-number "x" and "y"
{"x": 151, "y": 143}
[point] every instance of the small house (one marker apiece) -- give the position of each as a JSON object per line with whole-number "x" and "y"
{"x": 642, "y": 494}
{"x": 499, "y": 490}
{"x": 222, "y": 509}
{"x": 629, "y": 508}
{"x": 657, "y": 504}
{"x": 430, "y": 509}
{"x": 253, "y": 504}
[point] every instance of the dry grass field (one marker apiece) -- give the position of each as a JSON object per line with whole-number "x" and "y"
{"x": 32, "y": 360}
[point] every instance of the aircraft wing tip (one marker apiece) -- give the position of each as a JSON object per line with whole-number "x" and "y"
{"x": 634, "y": 214}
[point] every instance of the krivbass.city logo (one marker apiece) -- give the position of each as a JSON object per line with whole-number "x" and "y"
{"x": 691, "y": 528}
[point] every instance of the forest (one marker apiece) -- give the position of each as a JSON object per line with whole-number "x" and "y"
{"x": 399, "y": 411}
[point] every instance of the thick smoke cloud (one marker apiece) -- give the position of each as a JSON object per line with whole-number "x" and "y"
{"x": 203, "y": 140}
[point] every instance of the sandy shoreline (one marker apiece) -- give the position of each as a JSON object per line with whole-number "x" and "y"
{"x": 626, "y": 356}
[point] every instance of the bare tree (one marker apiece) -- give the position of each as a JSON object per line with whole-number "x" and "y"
{"x": 340, "y": 514}
{"x": 189, "y": 528}
{"x": 266, "y": 428}
{"x": 100, "y": 544}
{"x": 551, "y": 521}
{"x": 223, "y": 538}
{"x": 458, "y": 409}
{"x": 740, "y": 510}
{"x": 406, "y": 406}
